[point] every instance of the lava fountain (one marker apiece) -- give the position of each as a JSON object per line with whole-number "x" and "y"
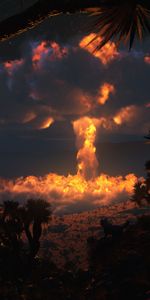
{"x": 84, "y": 189}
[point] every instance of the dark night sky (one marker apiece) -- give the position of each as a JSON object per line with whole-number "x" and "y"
{"x": 64, "y": 86}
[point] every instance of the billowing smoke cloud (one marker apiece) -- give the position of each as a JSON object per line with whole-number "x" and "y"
{"x": 57, "y": 81}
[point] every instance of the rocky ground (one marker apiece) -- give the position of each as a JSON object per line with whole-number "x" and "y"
{"x": 65, "y": 239}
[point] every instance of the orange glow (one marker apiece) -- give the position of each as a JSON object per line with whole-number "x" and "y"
{"x": 85, "y": 186}
{"x": 58, "y": 52}
{"x": 126, "y": 114}
{"x": 46, "y": 49}
{"x": 62, "y": 191}
{"x": 106, "y": 54}
{"x": 105, "y": 91}
{"x": 85, "y": 130}
{"x": 46, "y": 123}
{"x": 13, "y": 65}
{"x": 30, "y": 116}
{"x": 39, "y": 51}
{"x": 85, "y": 102}
{"x": 147, "y": 59}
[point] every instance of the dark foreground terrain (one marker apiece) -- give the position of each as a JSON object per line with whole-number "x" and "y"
{"x": 118, "y": 268}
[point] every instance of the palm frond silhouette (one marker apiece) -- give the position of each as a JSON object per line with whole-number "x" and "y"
{"x": 122, "y": 20}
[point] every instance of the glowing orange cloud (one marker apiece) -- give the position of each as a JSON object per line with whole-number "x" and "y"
{"x": 13, "y": 65}
{"x": 63, "y": 191}
{"x": 126, "y": 114}
{"x": 58, "y": 52}
{"x": 46, "y": 123}
{"x": 46, "y": 49}
{"x": 104, "y": 93}
{"x": 106, "y": 54}
{"x": 39, "y": 51}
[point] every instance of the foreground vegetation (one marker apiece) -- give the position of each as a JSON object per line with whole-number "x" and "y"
{"x": 119, "y": 266}
{"x": 141, "y": 194}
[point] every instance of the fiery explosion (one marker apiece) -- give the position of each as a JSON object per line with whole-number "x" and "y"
{"x": 85, "y": 130}
{"x": 83, "y": 188}
{"x": 106, "y": 54}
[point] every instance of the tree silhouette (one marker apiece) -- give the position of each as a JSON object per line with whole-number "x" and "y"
{"x": 141, "y": 192}
{"x": 37, "y": 212}
{"x": 11, "y": 225}
{"x": 119, "y": 19}
{"x": 16, "y": 220}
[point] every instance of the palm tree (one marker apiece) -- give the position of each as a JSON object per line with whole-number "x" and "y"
{"x": 122, "y": 20}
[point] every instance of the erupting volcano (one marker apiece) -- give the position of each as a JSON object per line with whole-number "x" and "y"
{"x": 65, "y": 192}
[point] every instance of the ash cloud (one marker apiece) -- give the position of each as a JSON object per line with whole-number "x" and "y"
{"x": 58, "y": 79}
